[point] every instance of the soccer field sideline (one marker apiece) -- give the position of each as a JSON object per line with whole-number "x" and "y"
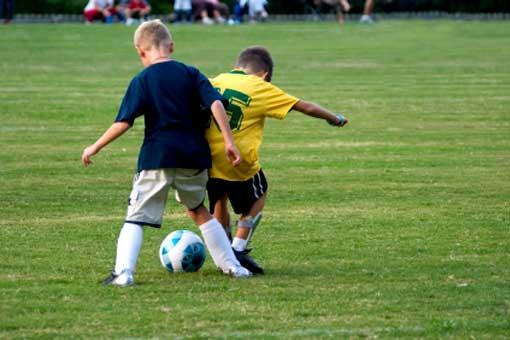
{"x": 394, "y": 226}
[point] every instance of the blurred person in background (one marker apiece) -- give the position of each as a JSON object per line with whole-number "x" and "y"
{"x": 210, "y": 11}
{"x": 257, "y": 10}
{"x": 340, "y": 7}
{"x": 99, "y": 10}
{"x": 136, "y": 9}
{"x": 6, "y": 10}
{"x": 366, "y": 18}
{"x": 183, "y": 11}
{"x": 240, "y": 10}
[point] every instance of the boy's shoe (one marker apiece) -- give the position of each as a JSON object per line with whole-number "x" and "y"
{"x": 124, "y": 279}
{"x": 247, "y": 261}
{"x": 238, "y": 271}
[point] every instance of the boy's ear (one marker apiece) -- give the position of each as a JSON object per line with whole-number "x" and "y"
{"x": 261, "y": 74}
{"x": 171, "y": 48}
{"x": 140, "y": 52}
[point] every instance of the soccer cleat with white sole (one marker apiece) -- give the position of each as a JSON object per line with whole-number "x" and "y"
{"x": 237, "y": 271}
{"x": 124, "y": 279}
{"x": 247, "y": 261}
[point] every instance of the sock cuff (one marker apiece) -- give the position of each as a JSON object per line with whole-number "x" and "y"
{"x": 239, "y": 244}
{"x": 210, "y": 225}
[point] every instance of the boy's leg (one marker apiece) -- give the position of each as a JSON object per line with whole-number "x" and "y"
{"x": 217, "y": 192}
{"x": 190, "y": 186}
{"x": 128, "y": 248}
{"x": 248, "y": 199}
{"x": 245, "y": 230}
{"x": 221, "y": 213}
{"x": 247, "y": 224}
{"x": 217, "y": 242}
{"x": 146, "y": 206}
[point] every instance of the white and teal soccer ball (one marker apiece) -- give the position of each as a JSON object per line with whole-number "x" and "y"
{"x": 182, "y": 251}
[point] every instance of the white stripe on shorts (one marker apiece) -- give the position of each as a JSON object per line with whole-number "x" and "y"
{"x": 254, "y": 187}
{"x": 260, "y": 188}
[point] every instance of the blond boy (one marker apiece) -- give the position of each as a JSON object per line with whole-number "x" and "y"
{"x": 174, "y": 153}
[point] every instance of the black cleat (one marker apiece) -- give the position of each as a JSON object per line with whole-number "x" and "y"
{"x": 124, "y": 279}
{"x": 247, "y": 261}
{"x": 108, "y": 280}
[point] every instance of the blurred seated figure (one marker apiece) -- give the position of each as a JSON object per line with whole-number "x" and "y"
{"x": 6, "y": 10}
{"x": 210, "y": 11}
{"x": 240, "y": 10}
{"x": 121, "y": 9}
{"x": 257, "y": 10}
{"x": 340, "y": 8}
{"x": 368, "y": 8}
{"x": 136, "y": 9}
{"x": 99, "y": 10}
{"x": 183, "y": 11}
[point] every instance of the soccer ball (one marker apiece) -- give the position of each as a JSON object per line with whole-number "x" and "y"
{"x": 182, "y": 251}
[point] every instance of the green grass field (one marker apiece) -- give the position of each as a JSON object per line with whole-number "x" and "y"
{"x": 397, "y": 225}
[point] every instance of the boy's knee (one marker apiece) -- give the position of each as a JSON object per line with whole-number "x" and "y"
{"x": 197, "y": 208}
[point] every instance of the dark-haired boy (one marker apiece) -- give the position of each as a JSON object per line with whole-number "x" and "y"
{"x": 251, "y": 98}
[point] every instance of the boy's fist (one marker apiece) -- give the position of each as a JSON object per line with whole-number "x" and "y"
{"x": 341, "y": 120}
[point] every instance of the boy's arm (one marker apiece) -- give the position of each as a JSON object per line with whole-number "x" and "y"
{"x": 221, "y": 118}
{"x": 114, "y": 131}
{"x": 317, "y": 111}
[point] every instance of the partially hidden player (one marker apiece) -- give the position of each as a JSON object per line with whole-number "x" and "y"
{"x": 174, "y": 153}
{"x": 251, "y": 98}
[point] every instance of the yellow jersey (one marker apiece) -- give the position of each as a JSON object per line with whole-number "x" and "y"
{"x": 251, "y": 100}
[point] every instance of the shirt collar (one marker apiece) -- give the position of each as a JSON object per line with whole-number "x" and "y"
{"x": 237, "y": 71}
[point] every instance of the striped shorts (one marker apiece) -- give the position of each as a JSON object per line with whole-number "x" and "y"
{"x": 241, "y": 194}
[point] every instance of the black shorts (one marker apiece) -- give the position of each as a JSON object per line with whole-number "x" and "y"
{"x": 241, "y": 194}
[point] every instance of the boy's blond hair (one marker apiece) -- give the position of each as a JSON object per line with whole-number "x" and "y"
{"x": 153, "y": 34}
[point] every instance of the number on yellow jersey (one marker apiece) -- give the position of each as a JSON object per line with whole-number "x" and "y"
{"x": 236, "y": 101}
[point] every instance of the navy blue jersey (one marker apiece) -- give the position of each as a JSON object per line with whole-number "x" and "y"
{"x": 171, "y": 96}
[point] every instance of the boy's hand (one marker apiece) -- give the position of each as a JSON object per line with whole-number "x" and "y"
{"x": 113, "y": 132}
{"x": 233, "y": 154}
{"x": 339, "y": 121}
{"x": 87, "y": 154}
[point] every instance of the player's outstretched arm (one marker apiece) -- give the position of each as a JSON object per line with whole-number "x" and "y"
{"x": 221, "y": 118}
{"x": 114, "y": 131}
{"x": 317, "y": 111}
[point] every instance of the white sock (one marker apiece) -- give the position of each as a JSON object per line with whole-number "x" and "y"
{"x": 128, "y": 247}
{"x": 218, "y": 245}
{"x": 239, "y": 244}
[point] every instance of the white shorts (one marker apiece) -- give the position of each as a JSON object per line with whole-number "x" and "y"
{"x": 148, "y": 198}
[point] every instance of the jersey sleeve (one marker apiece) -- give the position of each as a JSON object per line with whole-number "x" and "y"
{"x": 208, "y": 94}
{"x": 132, "y": 103}
{"x": 278, "y": 102}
